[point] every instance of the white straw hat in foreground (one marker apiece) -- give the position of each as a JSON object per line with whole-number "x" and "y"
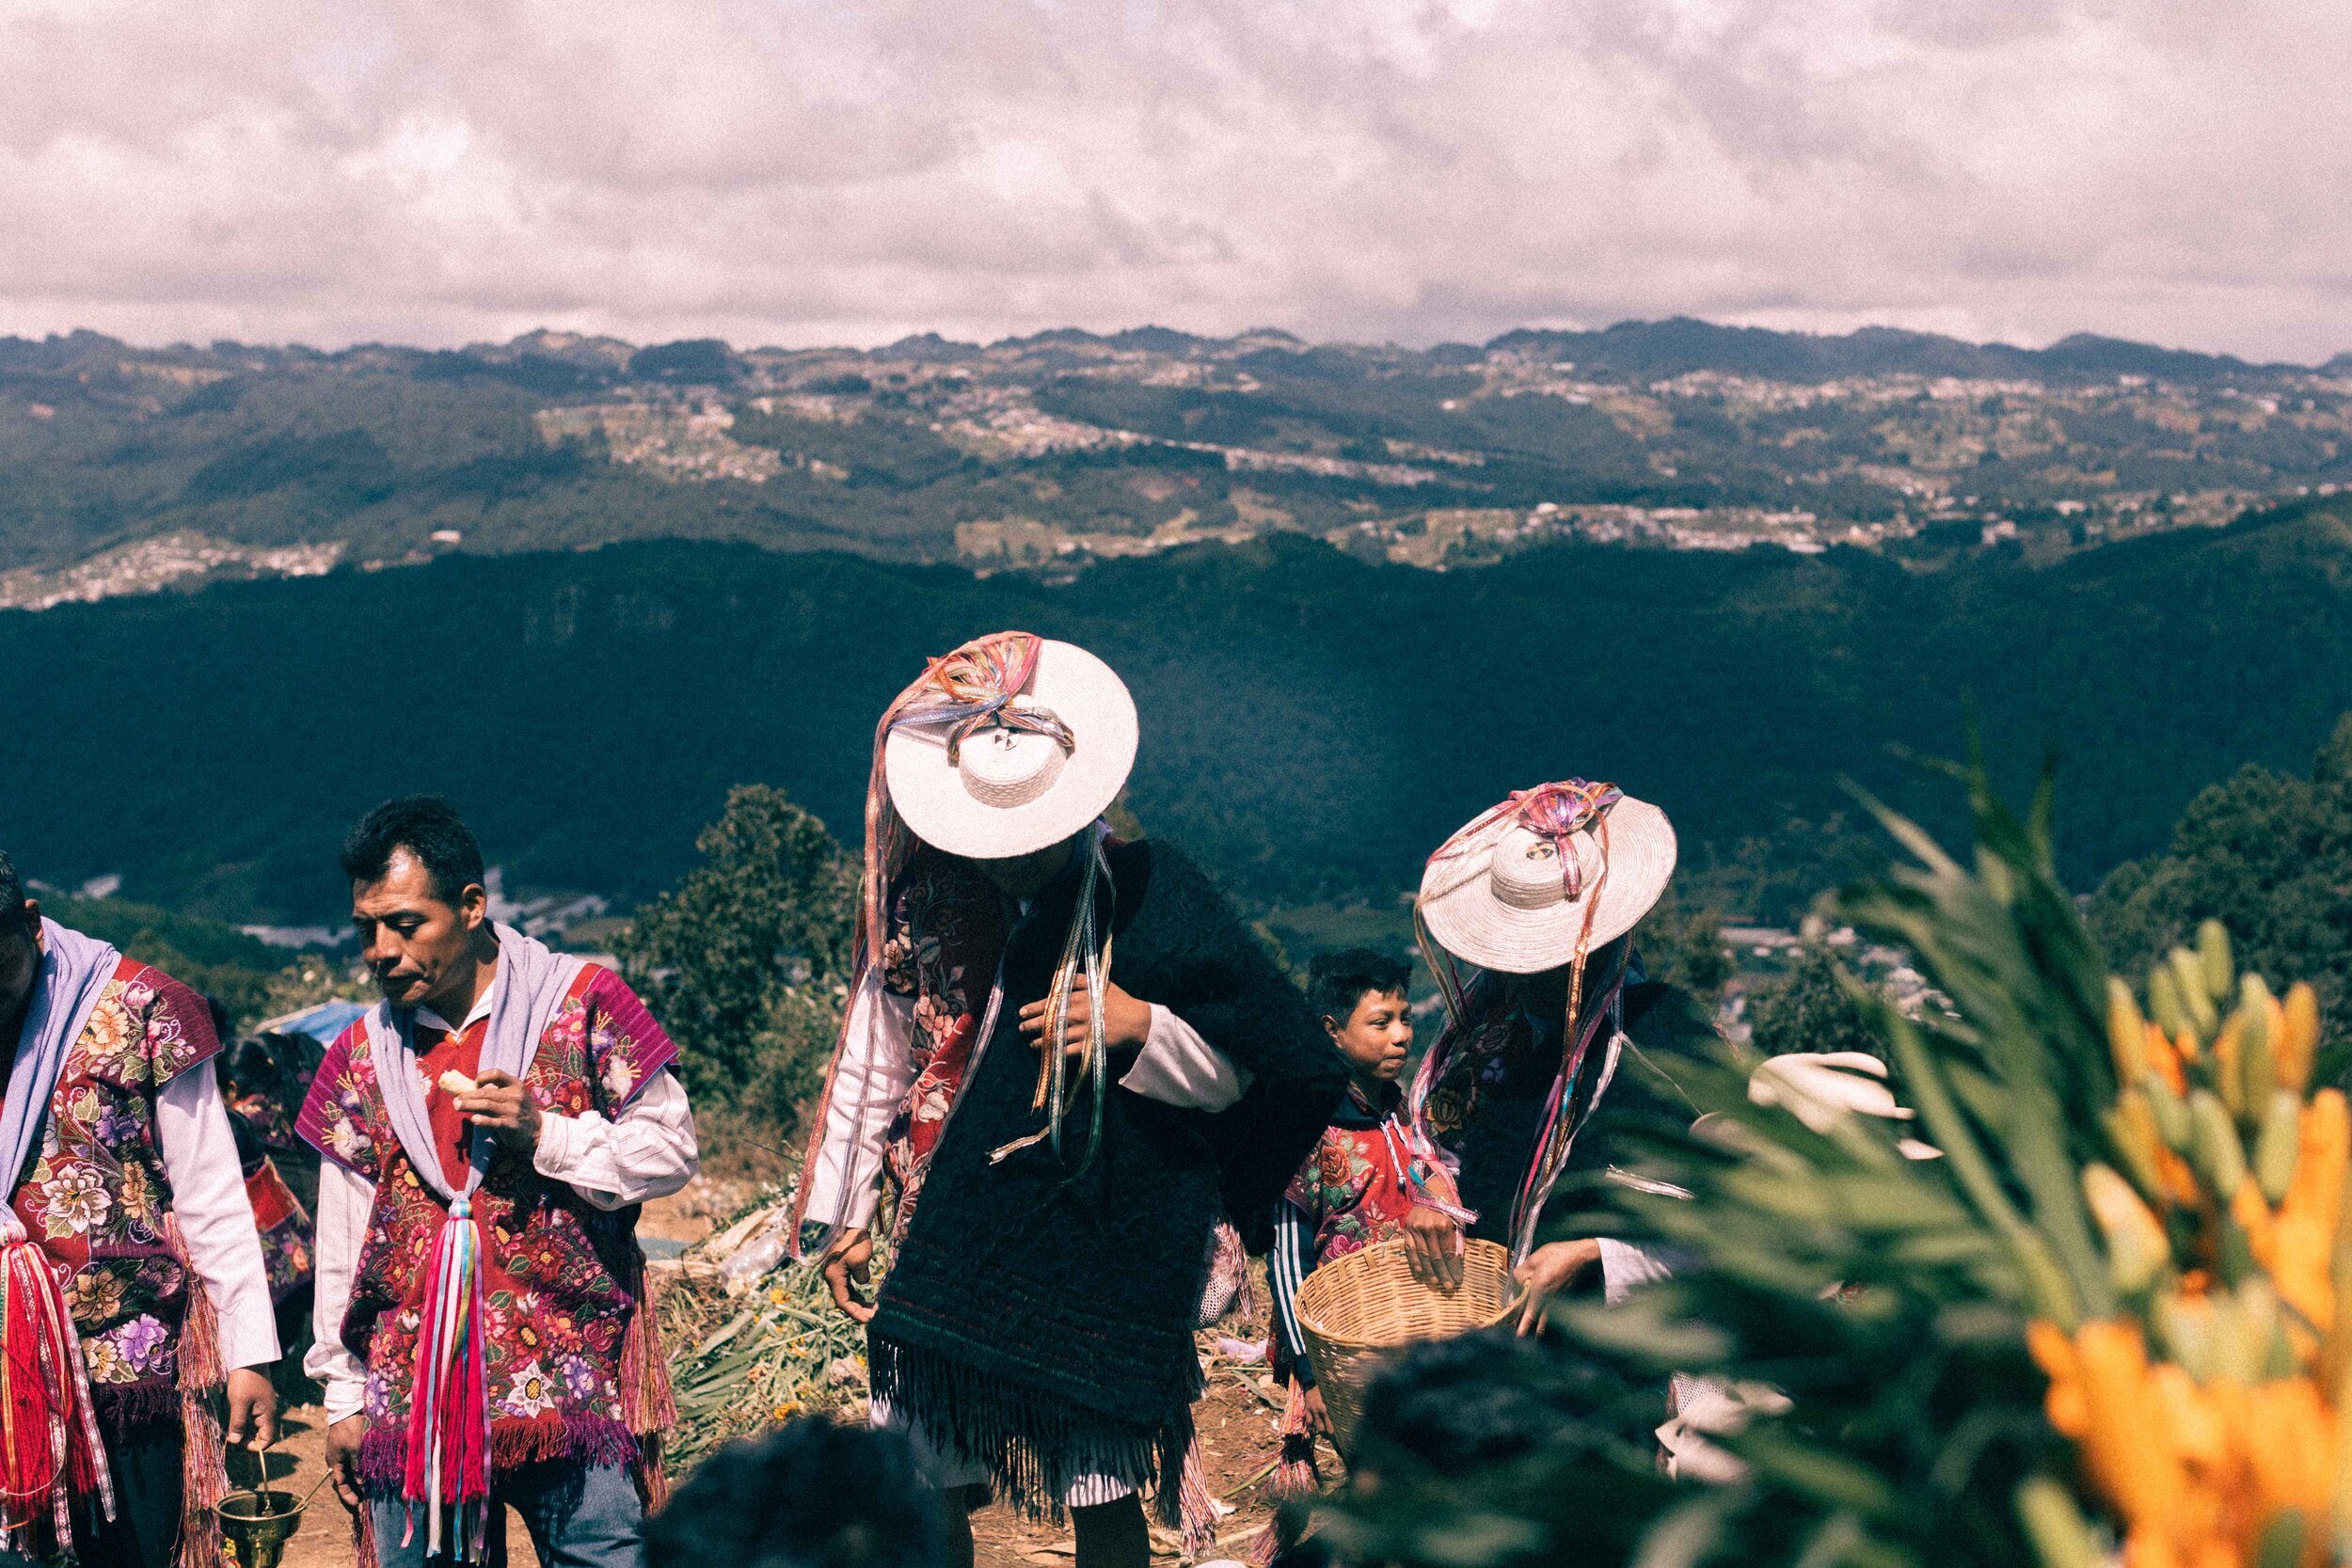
{"x": 1552, "y": 871}
{"x": 992, "y": 780}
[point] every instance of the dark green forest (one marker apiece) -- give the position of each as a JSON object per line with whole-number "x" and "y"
{"x": 1313, "y": 723}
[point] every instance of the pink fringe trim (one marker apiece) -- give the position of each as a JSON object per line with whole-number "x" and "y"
{"x": 204, "y": 1454}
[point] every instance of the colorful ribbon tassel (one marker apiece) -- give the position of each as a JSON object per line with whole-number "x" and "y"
{"x": 448, "y": 1473}
{"x": 50, "y": 1451}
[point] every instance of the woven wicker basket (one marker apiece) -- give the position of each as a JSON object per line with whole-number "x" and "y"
{"x": 1357, "y": 1309}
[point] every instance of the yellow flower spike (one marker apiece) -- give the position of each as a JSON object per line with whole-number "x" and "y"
{"x": 2128, "y": 1033}
{"x": 2299, "y": 1035}
{"x": 2169, "y": 1110}
{"x": 2132, "y": 1444}
{"x": 2131, "y": 1128}
{"x": 2214, "y": 1149}
{"x": 2214, "y": 959}
{"x": 2248, "y": 1207}
{"x": 2305, "y": 1237}
{"x": 2290, "y": 1444}
{"x": 2229, "y": 1048}
{"x": 2165, "y": 1057}
{"x": 2278, "y": 1142}
{"x": 2163, "y": 1002}
{"x": 2138, "y": 1250}
{"x": 2257, "y": 1047}
{"x": 2189, "y": 985}
{"x": 2053, "y": 1352}
{"x": 2186, "y": 1323}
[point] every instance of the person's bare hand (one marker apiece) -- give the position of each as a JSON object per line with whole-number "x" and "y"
{"x": 850, "y": 1262}
{"x": 1433, "y": 1246}
{"x": 1318, "y": 1415}
{"x": 1125, "y": 1021}
{"x": 252, "y": 1409}
{"x": 1550, "y": 1269}
{"x": 500, "y": 1102}
{"x": 342, "y": 1458}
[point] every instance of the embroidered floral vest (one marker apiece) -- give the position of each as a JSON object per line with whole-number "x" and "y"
{"x": 946, "y": 934}
{"x": 562, "y": 1278}
{"x": 1356, "y": 1187}
{"x": 96, "y": 1198}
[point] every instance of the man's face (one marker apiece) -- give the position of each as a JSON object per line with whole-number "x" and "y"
{"x": 418, "y": 944}
{"x": 19, "y": 957}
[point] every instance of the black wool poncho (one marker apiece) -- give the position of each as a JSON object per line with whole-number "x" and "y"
{"x": 1043, "y": 1324}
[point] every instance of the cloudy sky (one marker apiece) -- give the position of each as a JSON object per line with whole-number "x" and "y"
{"x": 807, "y": 171}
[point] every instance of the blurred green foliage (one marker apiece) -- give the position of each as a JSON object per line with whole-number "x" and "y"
{"x": 746, "y": 962}
{"x": 2270, "y": 855}
{"x": 1808, "y": 1009}
{"x": 1870, "y": 1307}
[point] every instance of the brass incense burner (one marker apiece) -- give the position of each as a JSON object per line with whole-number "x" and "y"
{"x": 258, "y": 1524}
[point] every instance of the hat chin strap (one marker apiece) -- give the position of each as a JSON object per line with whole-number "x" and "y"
{"x": 1005, "y": 767}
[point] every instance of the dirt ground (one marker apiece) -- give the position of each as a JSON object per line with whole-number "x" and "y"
{"x": 1235, "y": 1418}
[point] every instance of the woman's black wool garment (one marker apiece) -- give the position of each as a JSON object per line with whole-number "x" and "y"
{"x": 1042, "y": 1321}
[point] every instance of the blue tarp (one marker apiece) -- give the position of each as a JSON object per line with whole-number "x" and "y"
{"x": 322, "y": 1022}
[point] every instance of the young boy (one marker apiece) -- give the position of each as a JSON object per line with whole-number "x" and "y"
{"x": 1357, "y": 1185}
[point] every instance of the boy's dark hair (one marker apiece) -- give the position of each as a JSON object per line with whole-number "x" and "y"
{"x": 11, "y": 886}
{"x": 427, "y": 827}
{"x": 1336, "y": 981}
{"x": 809, "y": 1495}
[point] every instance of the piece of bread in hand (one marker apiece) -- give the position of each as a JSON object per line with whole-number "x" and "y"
{"x": 457, "y": 1083}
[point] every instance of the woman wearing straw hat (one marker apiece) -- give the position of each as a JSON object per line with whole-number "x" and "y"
{"x": 1066, "y": 1055}
{"x": 1539, "y": 895}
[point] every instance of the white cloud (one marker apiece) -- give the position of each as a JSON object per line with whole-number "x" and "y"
{"x": 845, "y": 171}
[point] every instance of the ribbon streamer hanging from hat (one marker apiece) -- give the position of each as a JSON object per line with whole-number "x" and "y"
{"x": 968, "y": 691}
{"x": 1085, "y": 951}
{"x": 1554, "y": 812}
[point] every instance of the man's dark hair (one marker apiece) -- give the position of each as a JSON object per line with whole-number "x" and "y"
{"x": 11, "y": 887}
{"x": 1336, "y": 981}
{"x": 809, "y": 1495}
{"x": 427, "y": 827}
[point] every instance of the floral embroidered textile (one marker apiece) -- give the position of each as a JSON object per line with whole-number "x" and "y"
{"x": 95, "y": 1196}
{"x": 1356, "y": 1188}
{"x": 563, "y": 1278}
{"x": 946, "y": 934}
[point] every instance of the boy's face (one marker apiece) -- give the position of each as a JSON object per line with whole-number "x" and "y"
{"x": 1377, "y": 1036}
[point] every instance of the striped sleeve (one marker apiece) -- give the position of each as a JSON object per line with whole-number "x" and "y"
{"x": 1292, "y": 1259}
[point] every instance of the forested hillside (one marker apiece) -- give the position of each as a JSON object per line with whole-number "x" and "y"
{"x": 1313, "y": 723}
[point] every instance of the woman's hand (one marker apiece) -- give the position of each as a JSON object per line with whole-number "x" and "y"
{"x": 850, "y": 1262}
{"x": 1433, "y": 1246}
{"x": 1318, "y": 1419}
{"x": 1126, "y": 1023}
{"x": 1550, "y": 1269}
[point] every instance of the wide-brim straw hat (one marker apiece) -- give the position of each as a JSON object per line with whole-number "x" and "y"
{"x": 1013, "y": 792}
{"x": 1495, "y": 895}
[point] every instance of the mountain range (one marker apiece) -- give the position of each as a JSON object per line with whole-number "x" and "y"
{"x": 126, "y": 468}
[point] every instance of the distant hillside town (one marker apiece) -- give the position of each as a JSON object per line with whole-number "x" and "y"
{"x": 126, "y": 470}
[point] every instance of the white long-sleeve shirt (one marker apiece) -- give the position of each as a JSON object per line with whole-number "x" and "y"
{"x": 648, "y": 1151}
{"x": 1175, "y": 1067}
{"x": 215, "y": 1217}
